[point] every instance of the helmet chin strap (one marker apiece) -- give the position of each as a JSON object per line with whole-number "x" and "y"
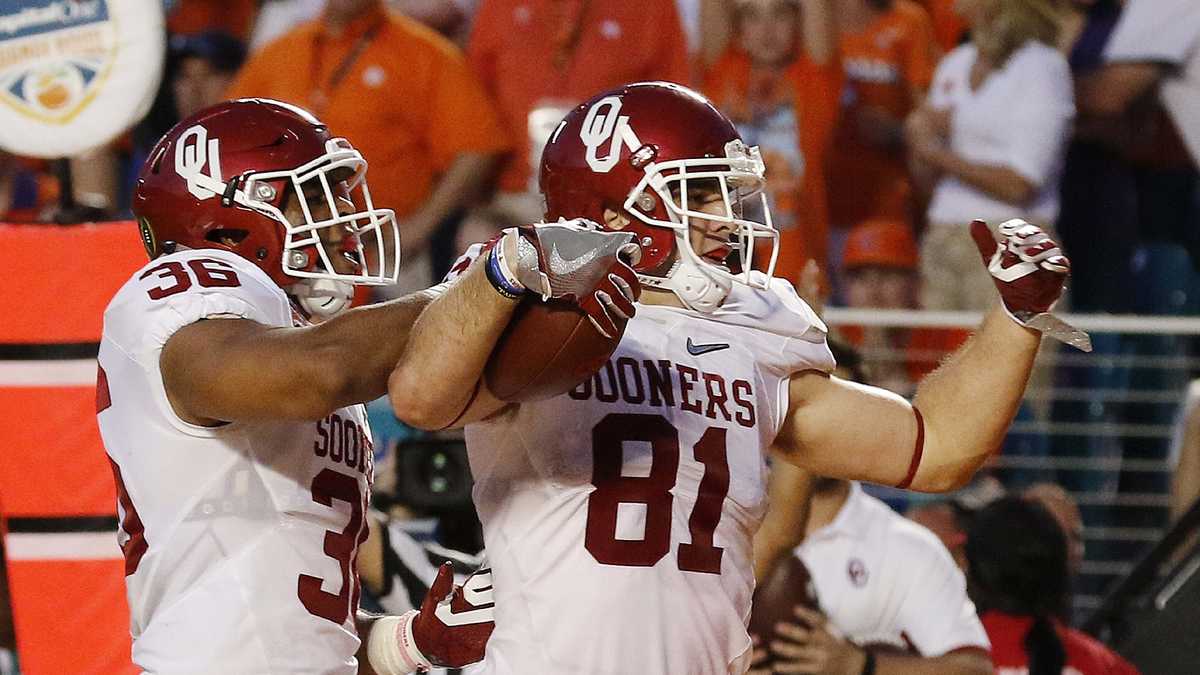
{"x": 699, "y": 289}
{"x": 322, "y": 298}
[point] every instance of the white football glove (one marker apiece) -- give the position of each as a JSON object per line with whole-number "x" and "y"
{"x": 577, "y": 261}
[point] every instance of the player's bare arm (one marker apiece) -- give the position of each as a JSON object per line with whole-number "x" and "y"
{"x": 435, "y": 377}
{"x": 216, "y": 370}
{"x": 961, "y": 411}
{"x": 789, "y": 493}
{"x": 958, "y": 436}
{"x": 438, "y": 383}
{"x": 213, "y": 370}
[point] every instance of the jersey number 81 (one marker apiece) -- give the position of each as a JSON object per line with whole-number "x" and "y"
{"x": 654, "y": 491}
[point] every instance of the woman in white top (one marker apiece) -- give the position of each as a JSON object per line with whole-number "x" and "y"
{"x": 990, "y": 140}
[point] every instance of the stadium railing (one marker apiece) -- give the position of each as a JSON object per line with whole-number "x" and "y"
{"x": 1100, "y": 424}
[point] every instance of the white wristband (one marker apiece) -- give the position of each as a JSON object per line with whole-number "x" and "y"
{"x": 391, "y": 649}
{"x": 1051, "y": 325}
{"x": 504, "y": 265}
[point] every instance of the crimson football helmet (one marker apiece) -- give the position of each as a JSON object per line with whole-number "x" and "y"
{"x": 223, "y": 178}
{"x": 634, "y": 150}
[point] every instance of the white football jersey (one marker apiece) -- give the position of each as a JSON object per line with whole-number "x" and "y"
{"x": 885, "y": 580}
{"x": 618, "y": 518}
{"x": 239, "y": 540}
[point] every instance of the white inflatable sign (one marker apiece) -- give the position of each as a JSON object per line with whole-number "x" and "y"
{"x": 74, "y": 74}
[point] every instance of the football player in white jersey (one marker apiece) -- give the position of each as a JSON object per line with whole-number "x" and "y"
{"x": 235, "y": 428}
{"x": 618, "y": 518}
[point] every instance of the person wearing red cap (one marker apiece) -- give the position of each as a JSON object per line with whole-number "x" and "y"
{"x": 880, "y": 264}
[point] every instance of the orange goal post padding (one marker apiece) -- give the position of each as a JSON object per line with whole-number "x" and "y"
{"x": 65, "y": 571}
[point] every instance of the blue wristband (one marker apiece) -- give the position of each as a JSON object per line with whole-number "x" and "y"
{"x": 497, "y": 278}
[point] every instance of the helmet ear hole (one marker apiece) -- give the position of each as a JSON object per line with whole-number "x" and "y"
{"x": 615, "y": 219}
{"x": 226, "y": 236}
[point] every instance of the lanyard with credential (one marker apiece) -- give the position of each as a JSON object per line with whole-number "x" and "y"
{"x": 319, "y": 98}
{"x": 571, "y": 16}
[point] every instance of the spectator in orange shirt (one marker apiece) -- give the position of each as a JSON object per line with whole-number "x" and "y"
{"x": 888, "y": 55}
{"x": 881, "y": 273}
{"x": 539, "y": 58}
{"x": 785, "y": 102}
{"x": 276, "y": 17}
{"x": 404, "y": 97}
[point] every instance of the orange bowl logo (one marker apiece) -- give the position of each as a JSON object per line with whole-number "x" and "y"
{"x": 54, "y": 54}
{"x": 54, "y": 88}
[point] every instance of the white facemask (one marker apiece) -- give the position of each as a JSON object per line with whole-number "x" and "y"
{"x": 371, "y": 224}
{"x": 700, "y": 284}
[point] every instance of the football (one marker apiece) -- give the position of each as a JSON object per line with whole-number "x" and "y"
{"x": 788, "y": 584}
{"x": 547, "y": 349}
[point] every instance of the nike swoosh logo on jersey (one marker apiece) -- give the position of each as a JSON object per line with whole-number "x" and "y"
{"x": 697, "y": 350}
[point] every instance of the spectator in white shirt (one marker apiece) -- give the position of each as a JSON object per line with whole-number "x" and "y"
{"x": 885, "y": 585}
{"x": 1156, "y": 42}
{"x": 990, "y": 140}
{"x": 1152, "y": 63}
{"x": 891, "y": 598}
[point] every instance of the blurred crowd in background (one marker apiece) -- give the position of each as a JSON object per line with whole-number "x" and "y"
{"x": 886, "y": 127}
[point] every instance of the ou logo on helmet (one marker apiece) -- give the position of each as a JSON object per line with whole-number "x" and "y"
{"x": 604, "y": 124}
{"x": 193, "y": 151}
